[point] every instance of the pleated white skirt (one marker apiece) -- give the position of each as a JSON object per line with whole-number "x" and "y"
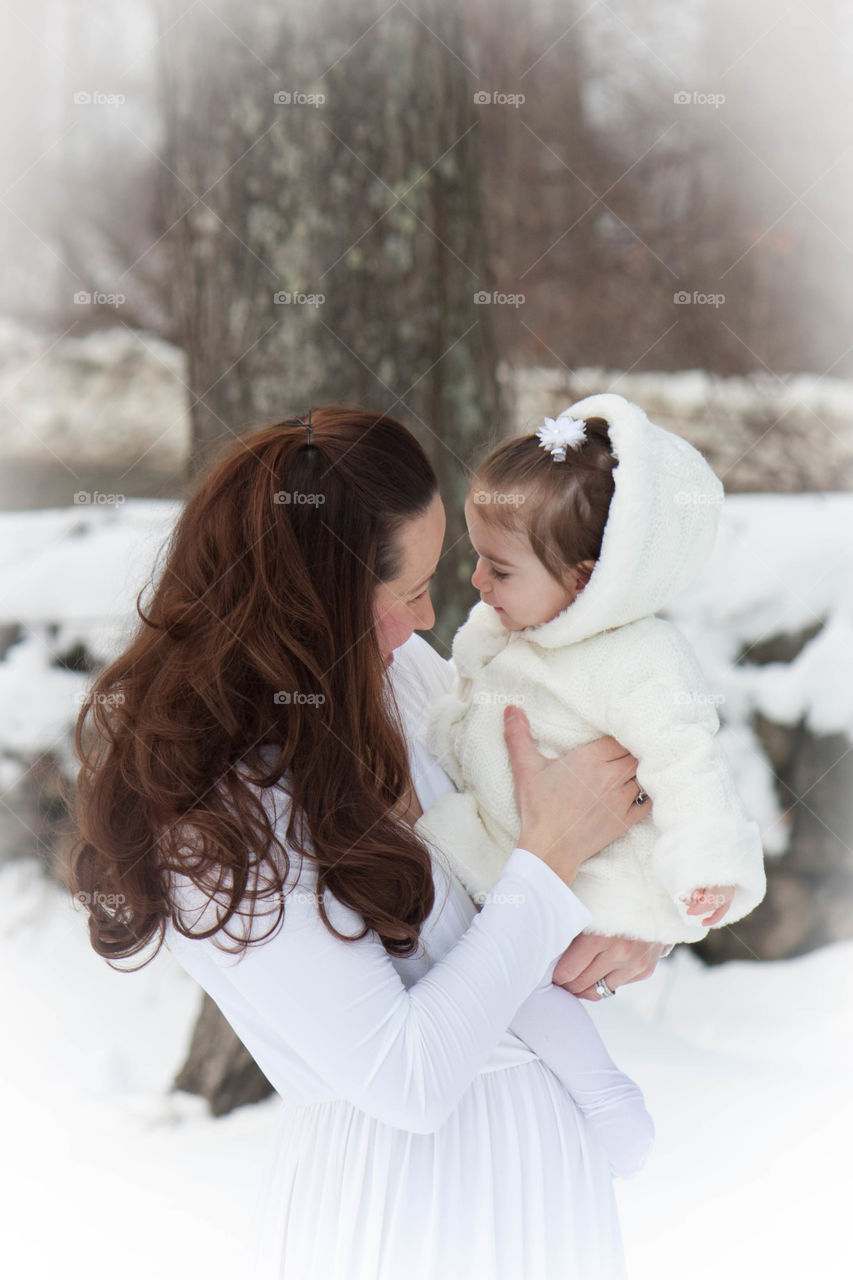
{"x": 510, "y": 1187}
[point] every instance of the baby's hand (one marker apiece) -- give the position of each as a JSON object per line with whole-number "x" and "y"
{"x": 717, "y": 895}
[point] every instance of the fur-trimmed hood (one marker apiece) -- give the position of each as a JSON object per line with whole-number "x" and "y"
{"x": 660, "y": 529}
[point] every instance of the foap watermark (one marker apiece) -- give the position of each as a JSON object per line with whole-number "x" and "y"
{"x": 696, "y": 99}
{"x": 95, "y": 498}
{"x": 697, "y": 698}
{"x": 494, "y": 297}
{"x": 100, "y": 699}
{"x": 286, "y": 299}
{"x": 487, "y": 497}
{"x": 704, "y": 898}
{"x": 82, "y": 298}
{"x": 496, "y": 98}
{"x": 298, "y": 498}
{"x": 501, "y": 895}
{"x": 296, "y": 698}
{"x": 109, "y": 901}
{"x": 297, "y": 98}
{"x": 493, "y": 698}
{"x": 698, "y": 498}
{"x": 96, "y": 98}
{"x": 307, "y": 897}
{"x": 682, "y": 298}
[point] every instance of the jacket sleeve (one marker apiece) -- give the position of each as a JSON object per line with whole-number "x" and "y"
{"x": 659, "y": 706}
{"x": 405, "y": 1055}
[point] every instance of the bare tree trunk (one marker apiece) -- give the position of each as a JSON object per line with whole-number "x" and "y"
{"x": 219, "y": 1067}
{"x": 328, "y": 242}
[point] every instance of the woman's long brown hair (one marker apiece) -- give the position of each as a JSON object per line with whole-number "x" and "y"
{"x": 260, "y": 633}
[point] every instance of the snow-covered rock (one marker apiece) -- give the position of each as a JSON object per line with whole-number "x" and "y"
{"x": 114, "y": 397}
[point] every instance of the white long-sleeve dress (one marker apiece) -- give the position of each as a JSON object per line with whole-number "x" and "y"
{"x": 419, "y": 1134}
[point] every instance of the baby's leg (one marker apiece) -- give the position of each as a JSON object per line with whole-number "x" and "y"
{"x": 558, "y": 1028}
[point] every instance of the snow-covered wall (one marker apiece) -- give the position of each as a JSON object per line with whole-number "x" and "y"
{"x": 118, "y": 399}
{"x": 761, "y": 433}
{"x": 111, "y": 399}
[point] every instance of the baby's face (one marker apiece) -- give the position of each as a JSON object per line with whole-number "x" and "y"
{"x": 510, "y": 577}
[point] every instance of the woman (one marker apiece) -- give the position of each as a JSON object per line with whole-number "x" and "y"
{"x": 250, "y": 779}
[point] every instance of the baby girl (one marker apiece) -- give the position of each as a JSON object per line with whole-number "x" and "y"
{"x": 583, "y": 532}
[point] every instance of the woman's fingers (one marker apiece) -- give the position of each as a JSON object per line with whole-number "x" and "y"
{"x": 523, "y": 755}
{"x": 575, "y": 805}
{"x": 632, "y": 811}
{"x": 609, "y": 749}
{"x": 594, "y": 956}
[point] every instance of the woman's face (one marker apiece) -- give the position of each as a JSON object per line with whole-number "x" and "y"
{"x": 403, "y": 605}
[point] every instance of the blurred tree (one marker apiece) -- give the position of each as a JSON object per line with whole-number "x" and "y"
{"x": 328, "y": 242}
{"x": 327, "y": 228}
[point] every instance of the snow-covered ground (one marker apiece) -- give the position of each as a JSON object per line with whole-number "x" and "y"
{"x": 746, "y": 1069}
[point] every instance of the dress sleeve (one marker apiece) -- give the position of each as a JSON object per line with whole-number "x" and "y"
{"x": 405, "y": 1055}
{"x": 557, "y": 1027}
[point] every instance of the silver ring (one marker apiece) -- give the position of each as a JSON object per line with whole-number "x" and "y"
{"x": 603, "y": 990}
{"x": 641, "y": 798}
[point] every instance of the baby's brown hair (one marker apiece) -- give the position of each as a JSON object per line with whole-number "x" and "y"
{"x": 565, "y": 504}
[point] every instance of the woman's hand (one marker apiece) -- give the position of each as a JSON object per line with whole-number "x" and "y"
{"x": 576, "y": 805}
{"x": 592, "y": 956}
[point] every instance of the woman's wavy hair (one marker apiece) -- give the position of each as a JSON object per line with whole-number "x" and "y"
{"x": 260, "y": 634}
{"x": 565, "y": 504}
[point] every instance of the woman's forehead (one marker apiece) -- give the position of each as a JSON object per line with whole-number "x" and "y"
{"x": 421, "y": 539}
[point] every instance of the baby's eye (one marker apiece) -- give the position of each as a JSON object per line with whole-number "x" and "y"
{"x": 496, "y": 573}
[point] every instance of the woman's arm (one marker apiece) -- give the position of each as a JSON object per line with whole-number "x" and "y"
{"x": 404, "y": 1056}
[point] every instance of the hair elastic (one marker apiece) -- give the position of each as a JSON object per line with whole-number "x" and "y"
{"x": 307, "y": 426}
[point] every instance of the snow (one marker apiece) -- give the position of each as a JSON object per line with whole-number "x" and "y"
{"x": 81, "y": 567}
{"x": 745, "y": 1066}
{"x": 782, "y": 563}
{"x": 66, "y": 577}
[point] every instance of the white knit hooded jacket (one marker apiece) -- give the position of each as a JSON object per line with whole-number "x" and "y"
{"x": 607, "y": 665}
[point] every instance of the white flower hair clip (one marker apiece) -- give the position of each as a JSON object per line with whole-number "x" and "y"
{"x": 560, "y": 434}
